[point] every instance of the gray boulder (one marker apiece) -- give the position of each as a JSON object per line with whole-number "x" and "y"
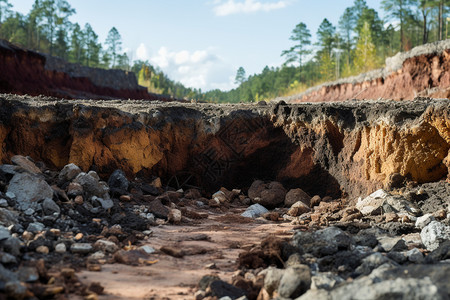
{"x": 434, "y": 234}
{"x": 118, "y": 181}
{"x": 69, "y": 172}
{"x": 50, "y": 207}
{"x": 296, "y": 280}
{"x": 254, "y": 211}
{"x": 29, "y": 189}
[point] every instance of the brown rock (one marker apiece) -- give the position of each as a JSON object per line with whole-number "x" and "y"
{"x": 296, "y": 195}
{"x": 174, "y": 216}
{"x": 79, "y": 200}
{"x": 315, "y": 201}
{"x": 391, "y": 217}
{"x": 269, "y": 195}
{"x": 158, "y": 209}
{"x": 132, "y": 257}
{"x": 25, "y": 163}
{"x": 173, "y": 251}
{"x": 125, "y": 198}
{"x": 298, "y": 208}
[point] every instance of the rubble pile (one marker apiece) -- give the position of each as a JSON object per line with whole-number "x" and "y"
{"x": 391, "y": 244}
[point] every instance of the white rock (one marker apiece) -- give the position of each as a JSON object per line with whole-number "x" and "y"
{"x": 60, "y": 248}
{"x": 147, "y": 249}
{"x": 372, "y": 202}
{"x": 424, "y": 220}
{"x": 434, "y": 234}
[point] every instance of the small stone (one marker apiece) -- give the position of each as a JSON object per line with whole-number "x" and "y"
{"x": 67, "y": 272}
{"x": 50, "y": 207}
{"x": 69, "y": 172}
{"x": 118, "y": 181}
{"x": 424, "y": 220}
{"x": 35, "y": 227}
{"x": 147, "y": 249}
{"x": 272, "y": 279}
{"x": 4, "y": 233}
{"x": 27, "y": 274}
{"x": 3, "y": 203}
{"x": 391, "y": 217}
{"x": 214, "y": 202}
{"x": 55, "y": 231}
{"x": 106, "y": 246}
{"x": 94, "y": 267}
{"x": 174, "y": 216}
{"x": 74, "y": 189}
{"x": 414, "y": 255}
{"x": 315, "y": 201}
{"x": 42, "y": 249}
{"x": 78, "y": 236}
{"x": 29, "y": 211}
{"x": 126, "y": 198}
{"x": 440, "y": 214}
{"x": 53, "y": 290}
{"x": 157, "y": 183}
{"x": 82, "y": 248}
{"x": 79, "y": 200}
{"x": 254, "y": 211}
{"x": 298, "y": 208}
{"x": 60, "y": 248}
{"x": 220, "y": 196}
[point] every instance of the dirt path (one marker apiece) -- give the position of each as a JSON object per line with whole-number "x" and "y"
{"x": 220, "y": 237}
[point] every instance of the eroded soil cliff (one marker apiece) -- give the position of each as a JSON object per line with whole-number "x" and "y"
{"x": 326, "y": 149}
{"x": 423, "y": 71}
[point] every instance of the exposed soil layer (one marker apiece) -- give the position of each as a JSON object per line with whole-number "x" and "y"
{"x": 24, "y": 72}
{"x": 326, "y": 149}
{"x": 421, "y": 72}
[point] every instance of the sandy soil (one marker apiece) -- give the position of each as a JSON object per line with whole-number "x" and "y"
{"x": 222, "y": 236}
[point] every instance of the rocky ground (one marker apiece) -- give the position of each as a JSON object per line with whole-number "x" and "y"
{"x": 66, "y": 234}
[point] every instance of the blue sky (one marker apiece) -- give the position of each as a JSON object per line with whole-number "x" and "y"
{"x": 202, "y": 43}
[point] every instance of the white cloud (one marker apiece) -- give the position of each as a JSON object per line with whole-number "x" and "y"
{"x": 229, "y": 7}
{"x": 197, "y": 69}
{"x": 141, "y": 52}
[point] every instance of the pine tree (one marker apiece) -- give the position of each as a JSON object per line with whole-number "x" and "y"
{"x": 398, "y": 10}
{"x": 5, "y": 10}
{"x": 240, "y": 76}
{"x": 365, "y": 53}
{"x": 114, "y": 43}
{"x": 302, "y": 36}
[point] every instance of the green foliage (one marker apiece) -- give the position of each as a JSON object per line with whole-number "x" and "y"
{"x": 365, "y": 53}
{"x": 240, "y": 76}
{"x": 302, "y": 36}
{"x": 114, "y": 43}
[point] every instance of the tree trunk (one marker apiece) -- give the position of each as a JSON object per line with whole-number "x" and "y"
{"x": 425, "y": 30}
{"x": 440, "y": 20}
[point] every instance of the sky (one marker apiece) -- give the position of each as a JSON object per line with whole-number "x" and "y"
{"x": 202, "y": 43}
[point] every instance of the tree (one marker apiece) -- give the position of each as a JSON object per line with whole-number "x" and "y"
{"x": 397, "y": 10}
{"x": 358, "y": 7}
{"x": 302, "y": 36}
{"x": 365, "y": 53}
{"x": 326, "y": 36}
{"x": 5, "y": 10}
{"x": 114, "y": 43}
{"x": 77, "y": 45}
{"x": 92, "y": 46}
{"x": 240, "y": 76}
{"x": 347, "y": 24}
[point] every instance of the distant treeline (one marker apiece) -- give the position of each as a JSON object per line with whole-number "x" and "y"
{"x": 359, "y": 42}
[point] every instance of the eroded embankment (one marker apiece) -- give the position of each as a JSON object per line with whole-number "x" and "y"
{"x": 326, "y": 149}
{"x": 25, "y": 71}
{"x": 423, "y": 71}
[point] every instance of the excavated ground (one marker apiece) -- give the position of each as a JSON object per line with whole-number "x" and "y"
{"x": 144, "y": 200}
